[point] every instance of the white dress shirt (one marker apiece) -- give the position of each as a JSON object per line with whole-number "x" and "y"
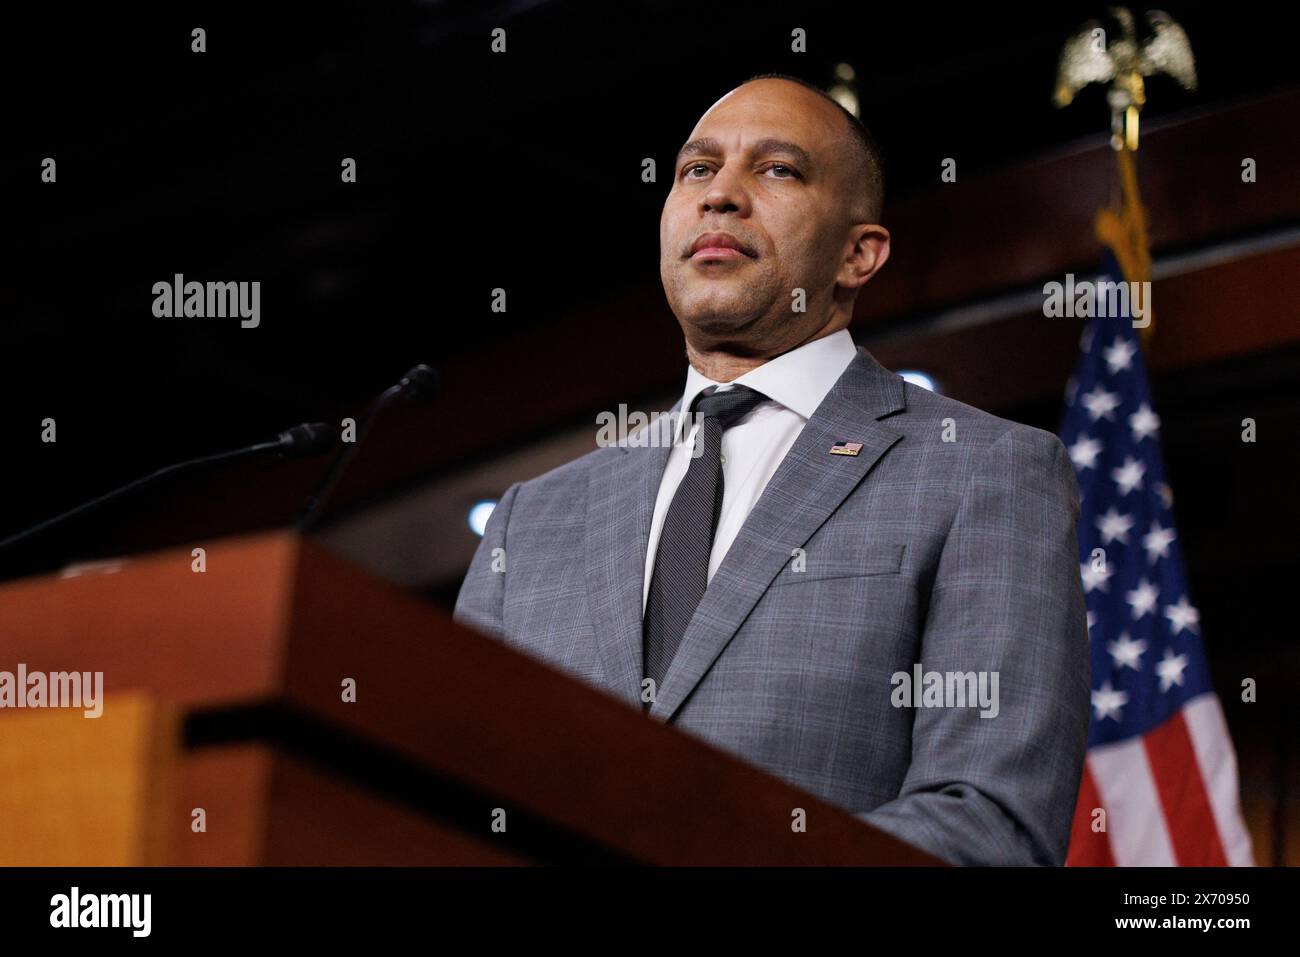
{"x": 795, "y": 382}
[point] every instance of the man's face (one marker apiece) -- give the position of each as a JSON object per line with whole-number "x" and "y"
{"x": 765, "y": 168}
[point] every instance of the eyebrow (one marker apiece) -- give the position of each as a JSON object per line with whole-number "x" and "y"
{"x": 708, "y": 146}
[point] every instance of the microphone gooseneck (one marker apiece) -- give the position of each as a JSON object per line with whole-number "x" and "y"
{"x": 419, "y": 382}
{"x": 309, "y": 438}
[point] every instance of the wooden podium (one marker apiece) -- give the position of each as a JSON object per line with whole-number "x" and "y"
{"x": 229, "y": 736}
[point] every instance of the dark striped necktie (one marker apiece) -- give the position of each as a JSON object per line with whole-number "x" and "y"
{"x": 681, "y": 568}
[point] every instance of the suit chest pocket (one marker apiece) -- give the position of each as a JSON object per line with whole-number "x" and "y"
{"x": 821, "y": 562}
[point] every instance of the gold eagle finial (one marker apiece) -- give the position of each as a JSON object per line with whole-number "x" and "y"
{"x": 1122, "y": 62}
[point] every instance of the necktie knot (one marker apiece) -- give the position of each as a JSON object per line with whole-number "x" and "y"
{"x": 727, "y": 407}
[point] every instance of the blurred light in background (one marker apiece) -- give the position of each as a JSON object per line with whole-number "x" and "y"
{"x": 479, "y": 513}
{"x": 844, "y": 91}
{"x": 916, "y": 377}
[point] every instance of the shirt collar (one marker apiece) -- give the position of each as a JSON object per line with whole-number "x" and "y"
{"x": 798, "y": 379}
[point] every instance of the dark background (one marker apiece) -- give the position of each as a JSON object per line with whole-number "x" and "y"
{"x": 475, "y": 170}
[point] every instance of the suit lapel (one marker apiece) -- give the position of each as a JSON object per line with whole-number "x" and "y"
{"x": 806, "y": 488}
{"x": 620, "y": 505}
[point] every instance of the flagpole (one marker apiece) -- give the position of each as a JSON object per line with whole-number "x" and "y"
{"x": 1123, "y": 228}
{"x": 1088, "y": 57}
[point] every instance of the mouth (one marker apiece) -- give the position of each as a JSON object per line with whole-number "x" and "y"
{"x": 718, "y": 252}
{"x": 719, "y": 247}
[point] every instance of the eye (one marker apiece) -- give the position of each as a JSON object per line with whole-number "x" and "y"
{"x": 686, "y": 173}
{"x": 793, "y": 173}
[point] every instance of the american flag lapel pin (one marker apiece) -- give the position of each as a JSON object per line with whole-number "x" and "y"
{"x": 846, "y": 448}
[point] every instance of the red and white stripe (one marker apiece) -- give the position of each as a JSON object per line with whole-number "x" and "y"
{"x": 1170, "y": 797}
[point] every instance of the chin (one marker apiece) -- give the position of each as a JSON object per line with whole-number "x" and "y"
{"x": 720, "y": 318}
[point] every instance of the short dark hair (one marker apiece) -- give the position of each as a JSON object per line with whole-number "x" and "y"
{"x": 868, "y": 159}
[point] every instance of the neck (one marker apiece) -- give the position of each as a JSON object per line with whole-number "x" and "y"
{"x": 725, "y": 362}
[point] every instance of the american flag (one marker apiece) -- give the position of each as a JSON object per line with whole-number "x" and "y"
{"x": 1160, "y": 762}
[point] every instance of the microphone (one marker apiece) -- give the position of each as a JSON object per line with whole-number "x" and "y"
{"x": 310, "y": 438}
{"x": 420, "y": 382}
{"x": 304, "y": 441}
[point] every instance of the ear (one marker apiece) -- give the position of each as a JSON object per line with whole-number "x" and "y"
{"x": 868, "y": 250}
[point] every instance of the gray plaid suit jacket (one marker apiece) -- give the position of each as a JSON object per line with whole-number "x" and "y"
{"x": 960, "y": 555}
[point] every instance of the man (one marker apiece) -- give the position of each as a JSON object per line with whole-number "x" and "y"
{"x": 816, "y": 532}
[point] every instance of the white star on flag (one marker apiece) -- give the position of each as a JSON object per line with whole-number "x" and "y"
{"x": 1094, "y": 577}
{"x": 1143, "y": 599}
{"x": 1128, "y": 476}
{"x": 1144, "y": 423}
{"x": 1084, "y": 452}
{"x": 1170, "y": 669}
{"x": 1114, "y": 525}
{"x": 1108, "y": 703}
{"x": 1120, "y": 355}
{"x": 1126, "y": 652}
{"x": 1182, "y": 615}
{"x": 1100, "y": 403}
{"x": 1157, "y": 541}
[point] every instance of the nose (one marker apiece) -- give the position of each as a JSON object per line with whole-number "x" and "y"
{"x": 726, "y": 194}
